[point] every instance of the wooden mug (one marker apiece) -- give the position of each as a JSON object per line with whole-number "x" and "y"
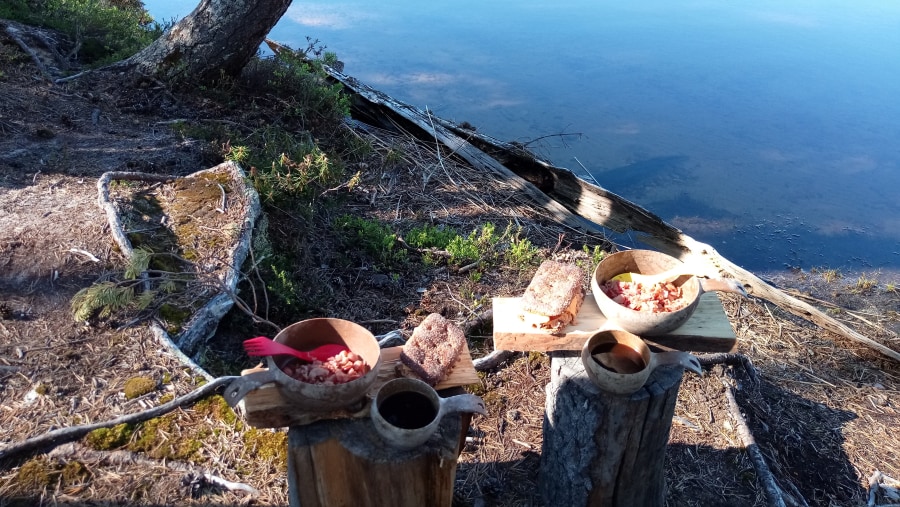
{"x": 406, "y": 411}
{"x": 619, "y": 362}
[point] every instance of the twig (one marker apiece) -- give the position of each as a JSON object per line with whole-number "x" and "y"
{"x": 77, "y": 451}
{"x": 229, "y": 485}
{"x": 222, "y": 203}
{"x": 588, "y": 172}
{"x": 56, "y": 437}
{"x": 438, "y": 149}
{"x": 85, "y": 253}
{"x": 469, "y": 267}
{"x": 560, "y": 135}
{"x": 763, "y": 474}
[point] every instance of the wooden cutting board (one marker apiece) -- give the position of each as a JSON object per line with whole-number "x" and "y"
{"x": 266, "y": 408}
{"x": 708, "y": 329}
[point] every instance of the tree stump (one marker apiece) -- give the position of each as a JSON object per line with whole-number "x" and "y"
{"x": 602, "y": 449}
{"x": 344, "y": 462}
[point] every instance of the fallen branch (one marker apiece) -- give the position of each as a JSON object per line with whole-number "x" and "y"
{"x": 492, "y": 360}
{"x": 54, "y": 438}
{"x": 731, "y": 360}
{"x": 763, "y": 474}
{"x": 14, "y": 34}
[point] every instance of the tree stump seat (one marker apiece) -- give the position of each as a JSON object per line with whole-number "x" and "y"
{"x": 345, "y": 462}
{"x": 602, "y": 449}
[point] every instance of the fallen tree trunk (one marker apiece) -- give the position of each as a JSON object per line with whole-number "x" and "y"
{"x": 578, "y": 203}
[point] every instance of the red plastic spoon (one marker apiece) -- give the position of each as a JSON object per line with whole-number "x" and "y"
{"x": 263, "y": 346}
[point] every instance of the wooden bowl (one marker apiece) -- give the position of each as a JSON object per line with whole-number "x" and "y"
{"x": 308, "y": 334}
{"x": 647, "y": 262}
{"x": 315, "y": 398}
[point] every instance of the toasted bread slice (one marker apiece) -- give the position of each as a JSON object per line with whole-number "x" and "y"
{"x": 433, "y": 348}
{"x": 554, "y": 296}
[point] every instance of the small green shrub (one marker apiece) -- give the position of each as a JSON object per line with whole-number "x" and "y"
{"x": 864, "y": 284}
{"x": 830, "y": 275}
{"x": 462, "y": 250}
{"x": 281, "y": 284}
{"x": 302, "y": 82}
{"x": 521, "y": 253}
{"x": 430, "y": 236}
{"x": 374, "y": 238}
{"x": 102, "y": 31}
{"x": 480, "y": 244}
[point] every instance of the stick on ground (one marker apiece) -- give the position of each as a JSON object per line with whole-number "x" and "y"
{"x": 54, "y": 438}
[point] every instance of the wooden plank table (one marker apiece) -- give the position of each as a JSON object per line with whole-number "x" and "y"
{"x": 266, "y": 407}
{"x": 708, "y": 329}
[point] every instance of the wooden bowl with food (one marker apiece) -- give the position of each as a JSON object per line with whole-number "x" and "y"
{"x": 657, "y": 306}
{"x": 339, "y": 383}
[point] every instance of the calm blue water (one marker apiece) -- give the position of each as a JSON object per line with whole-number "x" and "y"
{"x": 770, "y": 130}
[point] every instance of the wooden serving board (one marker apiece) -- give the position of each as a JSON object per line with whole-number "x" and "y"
{"x": 266, "y": 408}
{"x": 708, "y": 329}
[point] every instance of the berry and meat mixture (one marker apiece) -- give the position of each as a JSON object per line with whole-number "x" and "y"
{"x": 656, "y": 298}
{"x": 338, "y": 369}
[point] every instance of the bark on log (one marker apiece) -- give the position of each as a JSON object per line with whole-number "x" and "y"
{"x": 578, "y": 203}
{"x": 345, "y": 462}
{"x": 601, "y": 449}
{"x": 219, "y": 37}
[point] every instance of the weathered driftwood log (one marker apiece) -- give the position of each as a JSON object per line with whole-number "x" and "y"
{"x": 602, "y": 449}
{"x": 578, "y": 203}
{"x": 205, "y": 320}
{"x": 345, "y": 462}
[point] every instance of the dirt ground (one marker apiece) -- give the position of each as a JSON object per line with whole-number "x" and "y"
{"x": 823, "y": 410}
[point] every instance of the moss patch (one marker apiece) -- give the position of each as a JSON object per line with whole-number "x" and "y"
{"x": 138, "y": 386}
{"x": 267, "y": 445}
{"x": 105, "y": 439}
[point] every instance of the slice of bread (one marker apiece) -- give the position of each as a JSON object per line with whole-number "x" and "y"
{"x": 554, "y": 296}
{"x": 433, "y": 348}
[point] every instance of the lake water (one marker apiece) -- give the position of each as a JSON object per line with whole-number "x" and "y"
{"x": 768, "y": 129}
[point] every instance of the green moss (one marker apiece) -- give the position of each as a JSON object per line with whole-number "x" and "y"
{"x": 174, "y": 315}
{"x": 478, "y": 389}
{"x": 138, "y": 386}
{"x": 36, "y": 474}
{"x": 105, "y": 439}
{"x": 74, "y": 472}
{"x": 216, "y": 408}
{"x": 536, "y": 360}
{"x": 159, "y": 439}
{"x": 493, "y": 401}
{"x": 267, "y": 445}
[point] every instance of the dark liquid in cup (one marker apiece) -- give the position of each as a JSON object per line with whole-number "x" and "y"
{"x": 618, "y": 357}
{"x": 408, "y": 410}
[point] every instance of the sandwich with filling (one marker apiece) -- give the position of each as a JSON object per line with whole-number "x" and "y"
{"x": 554, "y": 296}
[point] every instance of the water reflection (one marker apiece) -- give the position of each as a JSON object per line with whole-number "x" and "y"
{"x": 767, "y": 129}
